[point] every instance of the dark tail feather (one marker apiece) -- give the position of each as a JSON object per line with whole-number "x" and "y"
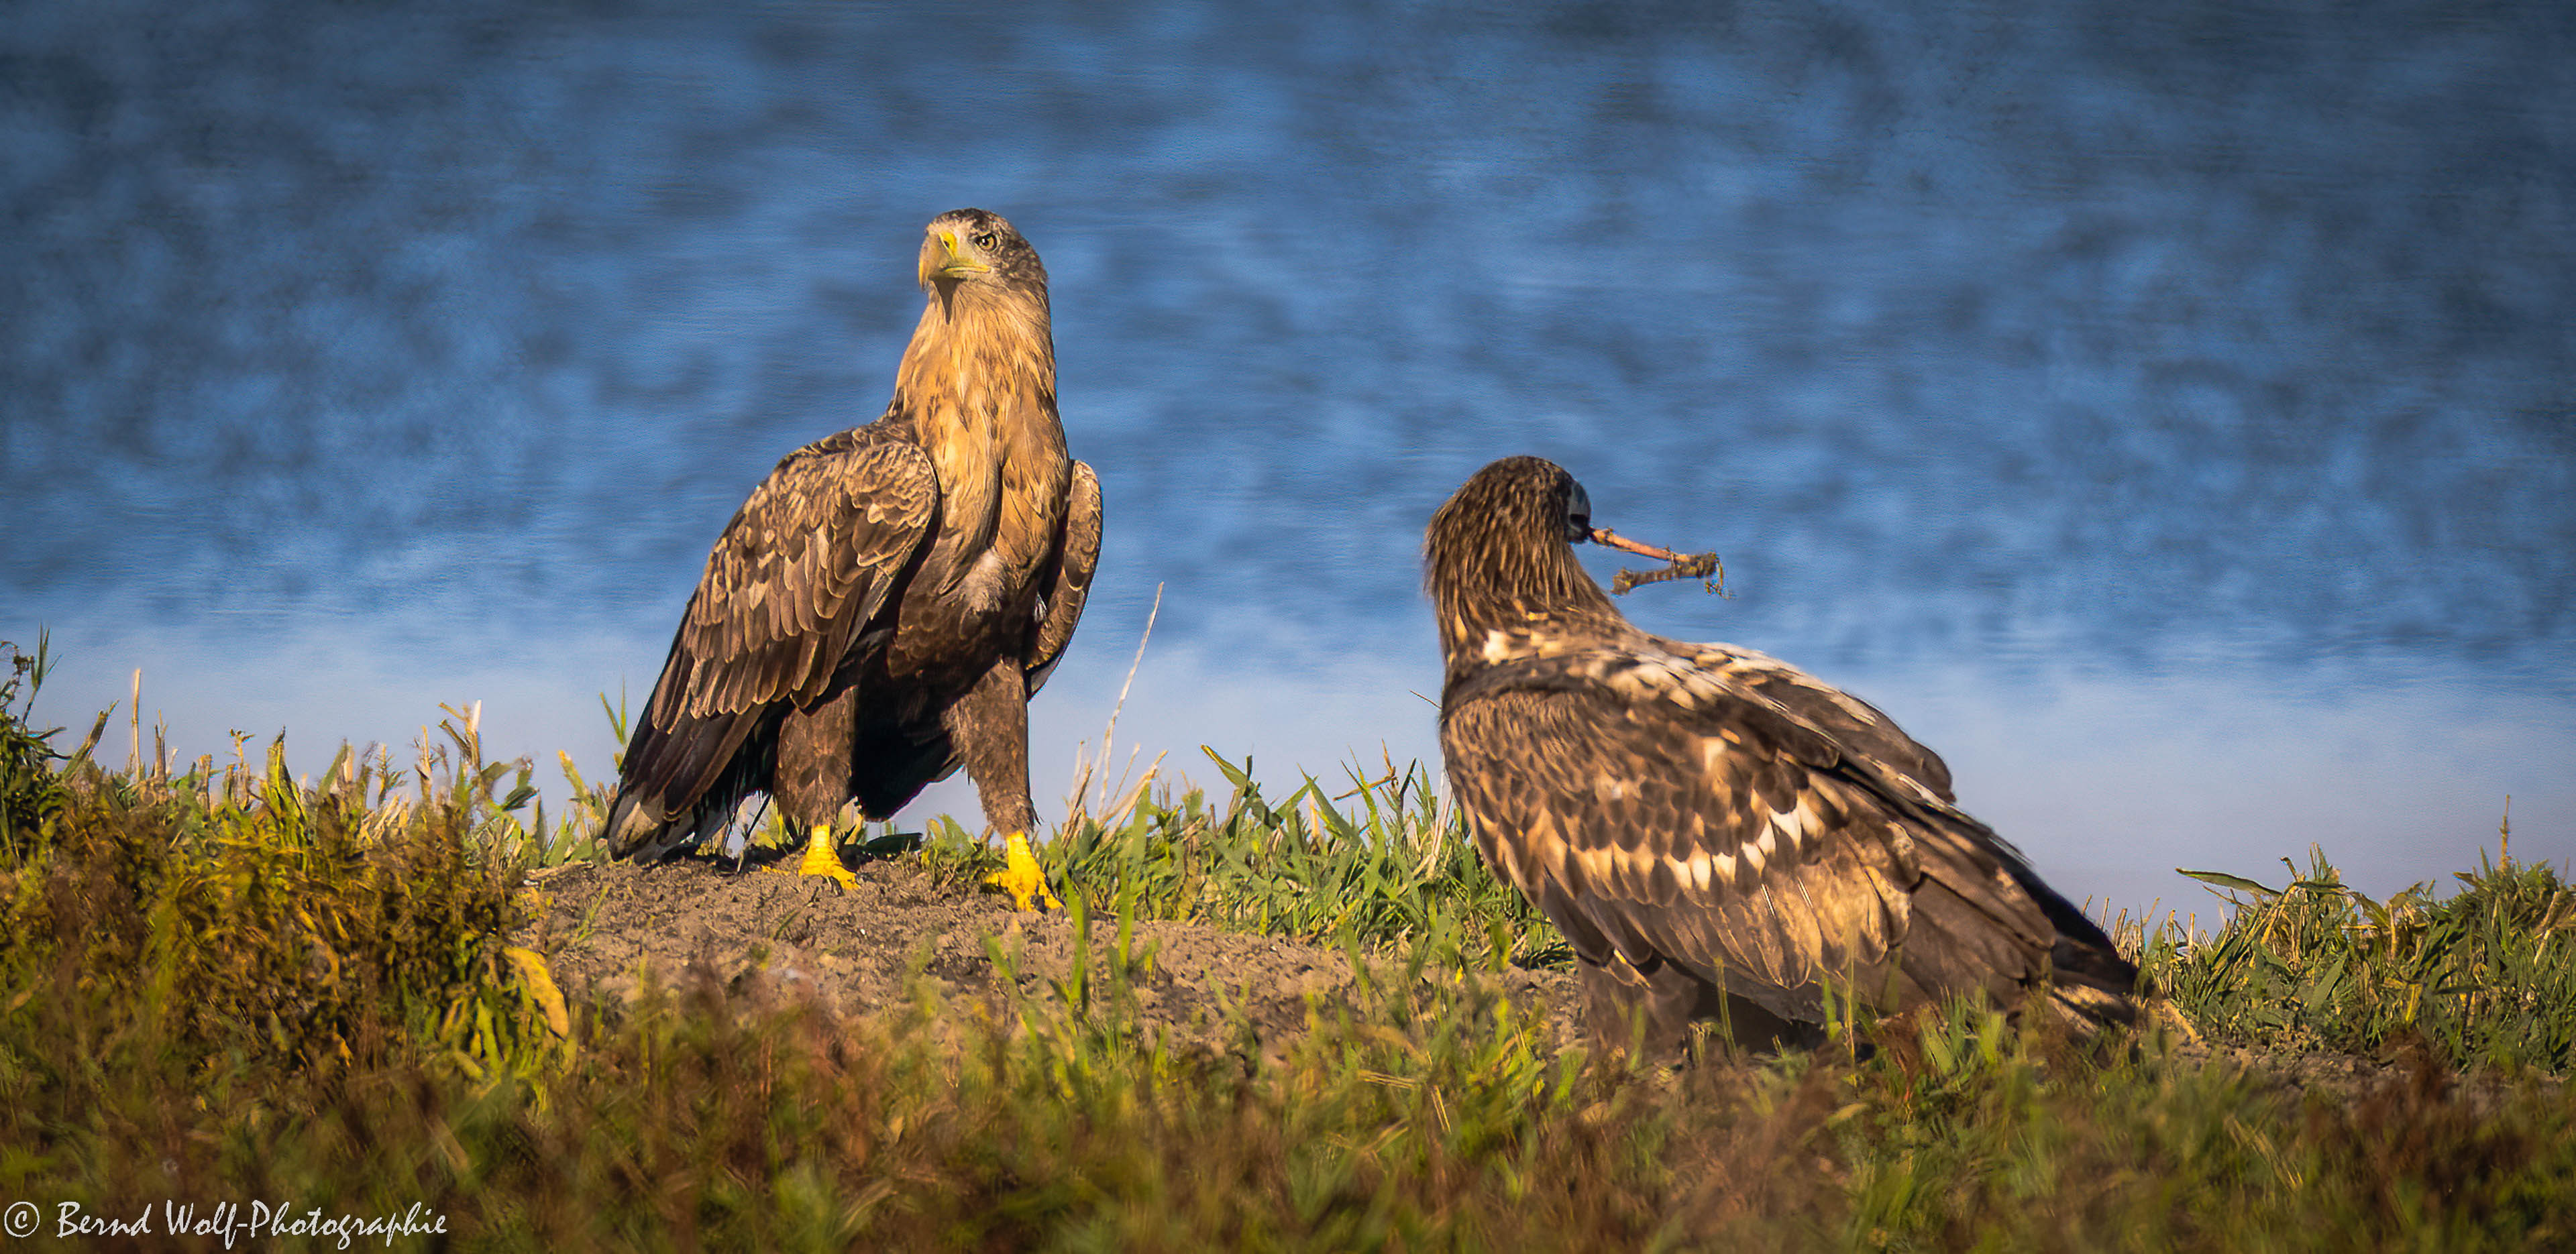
{"x": 2091, "y": 981}
{"x": 1953, "y": 944}
{"x": 681, "y": 786}
{"x": 637, "y": 830}
{"x": 2092, "y": 1008}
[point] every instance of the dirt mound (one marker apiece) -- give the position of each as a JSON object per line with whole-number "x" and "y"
{"x": 860, "y": 951}
{"x": 867, "y": 950}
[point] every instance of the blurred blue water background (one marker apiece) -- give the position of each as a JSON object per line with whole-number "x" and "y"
{"x": 2166, "y": 411}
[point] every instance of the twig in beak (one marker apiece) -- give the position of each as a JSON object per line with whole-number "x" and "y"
{"x": 1700, "y": 566}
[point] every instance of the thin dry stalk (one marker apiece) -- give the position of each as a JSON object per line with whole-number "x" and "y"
{"x": 1087, "y": 767}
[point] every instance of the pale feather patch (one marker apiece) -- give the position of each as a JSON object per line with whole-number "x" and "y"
{"x": 1797, "y": 824}
{"x": 983, "y": 583}
{"x": 1713, "y": 751}
{"x": 1697, "y": 871}
{"x": 1653, "y": 674}
{"x": 1632, "y": 683}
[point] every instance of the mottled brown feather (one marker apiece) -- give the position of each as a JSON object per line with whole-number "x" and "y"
{"x": 1068, "y": 583}
{"x": 1709, "y": 810}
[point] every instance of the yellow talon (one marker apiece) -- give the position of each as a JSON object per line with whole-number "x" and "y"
{"x": 821, "y": 860}
{"x": 1021, "y": 878}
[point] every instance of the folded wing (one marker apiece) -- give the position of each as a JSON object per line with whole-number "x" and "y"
{"x": 1665, "y": 804}
{"x": 790, "y": 596}
{"x": 1068, "y": 584}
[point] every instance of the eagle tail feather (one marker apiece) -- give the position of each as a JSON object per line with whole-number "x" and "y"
{"x": 2090, "y": 1007}
{"x": 681, "y": 784}
{"x": 2083, "y": 957}
{"x": 636, "y": 834}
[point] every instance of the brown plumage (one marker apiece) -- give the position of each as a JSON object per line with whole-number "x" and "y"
{"x": 881, "y": 609}
{"x": 1716, "y": 832}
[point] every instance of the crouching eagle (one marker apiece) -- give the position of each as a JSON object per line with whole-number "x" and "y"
{"x": 1718, "y": 834}
{"x": 882, "y": 608}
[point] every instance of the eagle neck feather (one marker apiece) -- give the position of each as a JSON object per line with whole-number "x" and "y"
{"x": 1502, "y": 596}
{"x": 978, "y": 384}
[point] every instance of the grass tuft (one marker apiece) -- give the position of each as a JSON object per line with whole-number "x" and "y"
{"x": 2485, "y": 977}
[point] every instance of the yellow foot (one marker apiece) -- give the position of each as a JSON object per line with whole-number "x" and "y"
{"x": 1021, "y": 878}
{"x": 821, "y": 860}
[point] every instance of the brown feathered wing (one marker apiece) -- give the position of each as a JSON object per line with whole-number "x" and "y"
{"x": 1068, "y": 585}
{"x": 1722, "y": 810}
{"x": 793, "y": 593}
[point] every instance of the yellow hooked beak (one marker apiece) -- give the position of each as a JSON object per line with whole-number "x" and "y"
{"x": 941, "y": 258}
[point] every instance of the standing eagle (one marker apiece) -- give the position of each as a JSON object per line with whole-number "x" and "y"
{"x": 1717, "y": 833}
{"x": 882, "y": 608}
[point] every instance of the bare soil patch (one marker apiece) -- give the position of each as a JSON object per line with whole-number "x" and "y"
{"x": 610, "y": 928}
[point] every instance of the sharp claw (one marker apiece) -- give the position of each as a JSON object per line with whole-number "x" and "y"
{"x": 821, "y": 860}
{"x": 1021, "y": 878}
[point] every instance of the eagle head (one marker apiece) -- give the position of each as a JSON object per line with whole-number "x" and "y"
{"x": 1499, "y": 555}
{"x": 964, "y": 247}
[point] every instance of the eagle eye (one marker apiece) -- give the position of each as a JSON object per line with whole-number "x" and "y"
{"x": 984, "y": 240}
